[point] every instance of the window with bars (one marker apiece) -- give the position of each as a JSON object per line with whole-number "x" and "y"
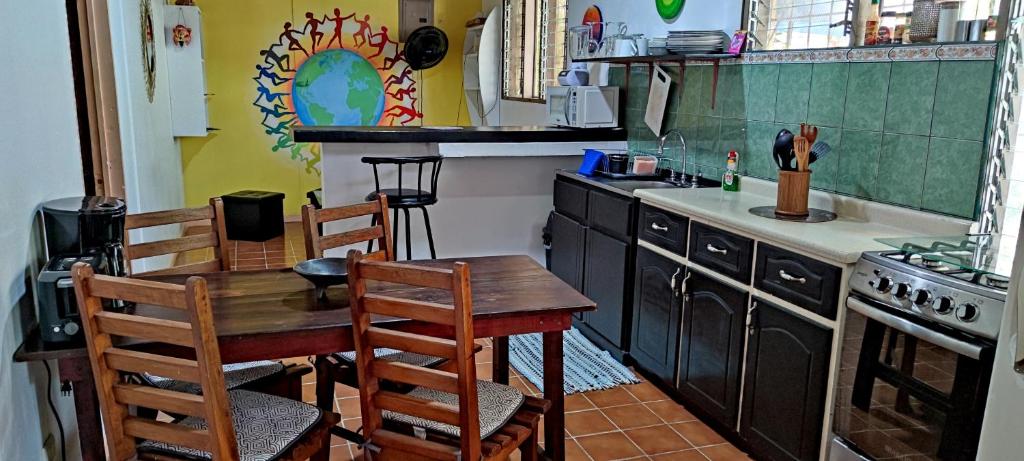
{"x": 534, "y": 47}
{"x": 798, "y": 24}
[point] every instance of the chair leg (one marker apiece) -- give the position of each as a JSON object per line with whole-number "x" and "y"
{"x": 408, "y": 235}
{"x": 369, "y": 244}
{"x": 324, "y": 400}
{"x": 528, "y": 450}
{"x": 430, "y": 234}
{"x": 394, "y": 231}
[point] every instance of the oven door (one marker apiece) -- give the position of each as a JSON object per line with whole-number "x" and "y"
{"x": 908, "y": 388}
{"x": 559, "y": 105}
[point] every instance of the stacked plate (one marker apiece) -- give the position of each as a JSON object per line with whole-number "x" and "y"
{"x": 697, "y": 41}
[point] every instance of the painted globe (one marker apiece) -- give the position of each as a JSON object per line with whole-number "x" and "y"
{"x": 338, "y": 87}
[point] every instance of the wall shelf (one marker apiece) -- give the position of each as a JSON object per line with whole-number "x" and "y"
{"x": 678, "y": 59}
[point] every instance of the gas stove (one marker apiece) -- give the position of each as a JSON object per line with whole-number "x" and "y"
{"x": 935, "y": 286}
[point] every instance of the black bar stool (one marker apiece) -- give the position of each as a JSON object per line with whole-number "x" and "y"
{"x": 402, "y": 198}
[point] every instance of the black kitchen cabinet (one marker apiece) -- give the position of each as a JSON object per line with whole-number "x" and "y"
{"x": 711, "y": 346}
{"x": 568, "y": 243}
{"x": 656, "y": 311}
{"x": 607, "y": 260}
{"x": 784, "y": 391}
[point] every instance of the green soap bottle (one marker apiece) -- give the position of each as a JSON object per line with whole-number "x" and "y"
{"x": 731, "y": 179}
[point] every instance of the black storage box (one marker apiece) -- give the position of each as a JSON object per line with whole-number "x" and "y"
{"x": 254, "y": 215}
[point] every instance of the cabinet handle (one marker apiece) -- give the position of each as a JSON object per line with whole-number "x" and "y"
{"x": 659, "y": 227}
{"x": 714, "y": 249}
{"x": 790, "y": 278}
{"x": 682, "y": 288}
{"x": 673, "y": 283}
{"x": 751, "y": 326}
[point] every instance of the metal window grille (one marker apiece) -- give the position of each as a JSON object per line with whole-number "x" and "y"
{"x": 798, "y": 24}
{"x": 534, "y": 51}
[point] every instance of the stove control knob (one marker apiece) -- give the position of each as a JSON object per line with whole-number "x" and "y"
{"x": 967, "y": 312}
{"x": 921, "y": 298}
{"x": 943, "y": 305}
{"x": 883, "y": 285}
{"x": 902, "y": 291}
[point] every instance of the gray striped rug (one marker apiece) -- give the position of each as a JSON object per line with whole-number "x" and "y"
{"x": 587, "y": 368}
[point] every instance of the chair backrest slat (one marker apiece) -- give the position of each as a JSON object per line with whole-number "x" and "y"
{"x": 108, "y": 362}
{"x": 457, "y": 314}
{"x": 216, "y": 239}
{"x": 379, "y": 232}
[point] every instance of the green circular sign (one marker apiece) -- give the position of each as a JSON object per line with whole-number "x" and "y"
{"x": 669, "y": 9}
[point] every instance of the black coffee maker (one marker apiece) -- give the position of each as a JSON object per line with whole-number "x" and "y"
{"x": 77, "y": 229}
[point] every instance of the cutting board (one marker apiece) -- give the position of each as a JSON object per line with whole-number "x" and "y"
{"x": 657, "y": 99}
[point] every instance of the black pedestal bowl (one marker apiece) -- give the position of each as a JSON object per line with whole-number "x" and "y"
{"x": 323, "y": 273}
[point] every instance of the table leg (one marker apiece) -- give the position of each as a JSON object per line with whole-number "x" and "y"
{"x": 554, "y": 375}
{"x": 499, "y": 359}
{"x": 87, "y": 406}
{"x": 324, "y": 400}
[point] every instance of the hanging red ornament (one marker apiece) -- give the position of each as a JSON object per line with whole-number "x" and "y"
{"x": 181, "y": 35}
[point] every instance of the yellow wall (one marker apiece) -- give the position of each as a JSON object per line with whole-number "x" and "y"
{"x": 239, "y": 155}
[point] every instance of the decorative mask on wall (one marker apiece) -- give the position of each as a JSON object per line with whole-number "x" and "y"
{"x": 148, "y": 47}
{"x": 333, "y": 69}
{"x": 181, "y": 34}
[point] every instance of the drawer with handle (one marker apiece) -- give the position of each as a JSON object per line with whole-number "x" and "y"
{"x": 571, "y": 199}
{"x": 804, "y": 281}
{"x": 724, "y": 252}
{"x": 662, "y": 228}
{"x": 610, "y": 213}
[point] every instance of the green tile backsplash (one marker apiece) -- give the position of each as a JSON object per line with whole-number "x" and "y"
{"x": 908, "y": 133}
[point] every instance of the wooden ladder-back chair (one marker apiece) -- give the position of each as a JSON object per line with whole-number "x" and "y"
{"x": 444, "y": 407}
{"x": 263, "y": 375}
{"x": 379, "y": 231}
{"x": 216, "y": 239}
{"x": 220, "y": 425}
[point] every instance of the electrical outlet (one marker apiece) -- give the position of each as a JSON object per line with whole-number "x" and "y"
{"x": 49, "y": 447}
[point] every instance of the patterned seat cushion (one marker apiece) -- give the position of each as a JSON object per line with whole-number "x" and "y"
{"x": 235, "y": 375}
{"x": 265, "y": 426}
{"x": 393, "y": 355}
{"x": 498, "y": 403}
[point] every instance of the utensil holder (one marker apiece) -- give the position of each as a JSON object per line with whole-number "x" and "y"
{"x": 794, "y": 187}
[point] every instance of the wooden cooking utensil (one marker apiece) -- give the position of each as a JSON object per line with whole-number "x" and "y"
{"x": 810, "y": 132}
{"x": 802, "y": 149}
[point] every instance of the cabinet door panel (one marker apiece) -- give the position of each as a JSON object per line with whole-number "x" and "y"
{"x": 656, "y": 313}
{"x": 605, "y": 283}
{"x": 784, "y": 392}
{"x": 571, "y": 199}
{"x": 711, "y": 346}
{"x": 567, "y": 246}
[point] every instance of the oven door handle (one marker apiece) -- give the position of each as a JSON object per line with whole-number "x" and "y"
{"x": 898, "y": 323}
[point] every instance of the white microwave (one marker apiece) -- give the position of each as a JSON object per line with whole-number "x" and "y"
{"x": 583, "y": 106}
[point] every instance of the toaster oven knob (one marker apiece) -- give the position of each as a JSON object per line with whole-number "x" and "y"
{"x": 902, "y": 291}
{"x": 883, "y": 285}
{"x": 967, "y": 312}
{"x": 71, "y": 328}
{"x": 943, "y": 305}
{"x": 921, "y": 297}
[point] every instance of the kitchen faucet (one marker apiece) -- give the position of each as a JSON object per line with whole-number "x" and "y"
{"x": 682, "y": 141}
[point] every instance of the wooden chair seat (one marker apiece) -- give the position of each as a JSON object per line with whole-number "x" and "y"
{"x": 236, "y": 375}
{"x": 498, "y": 403}
{"x": 266, "y": 428}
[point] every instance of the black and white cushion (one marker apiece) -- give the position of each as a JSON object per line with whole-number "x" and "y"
{"x": 394, "y": 355}
{"x": 498, "y": 403}
{"x": 235, "y": 375}
{"x": 265, "y": 426}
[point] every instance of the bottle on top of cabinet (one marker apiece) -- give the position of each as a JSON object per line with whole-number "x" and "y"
{"x": 871, "y": 25}
{"x": 731, "y": 179}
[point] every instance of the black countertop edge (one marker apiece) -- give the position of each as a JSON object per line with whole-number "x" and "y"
{"x": 626, "y": 187}
{"x": 469, "y": 134}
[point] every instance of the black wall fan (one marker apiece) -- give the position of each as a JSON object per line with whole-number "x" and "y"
{"x": 425, "y": 47}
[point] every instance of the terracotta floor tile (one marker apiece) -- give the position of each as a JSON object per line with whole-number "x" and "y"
{"x": 577, "y": 402}
{"x": 698, "y": 433}
{"x": 610, "y": 446}
{"x": 349, "y": 407}
{"x": 645, "y": 391}
{"x": 685, "y": 455}
{"x": 309, "y": 393}
{"x": 611, "y": 397}
{"x": 587, "y": 422}
{"x": 341, "y": 391}
{"x": 573, "y": 452}
{"x": 670, "y": 411}
{"x": 657, "y": 439}
{"x": 724, "y": 452}
{"x": 630, "y": 416}
{"x": 340, "y": 453}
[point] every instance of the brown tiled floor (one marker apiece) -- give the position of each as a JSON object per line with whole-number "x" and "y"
{"x": 628, "y": 422}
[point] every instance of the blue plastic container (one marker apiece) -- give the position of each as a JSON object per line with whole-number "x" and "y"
{"x": 592, "y": 161}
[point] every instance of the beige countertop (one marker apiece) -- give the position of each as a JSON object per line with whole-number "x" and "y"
{"x": 842, "y": 240}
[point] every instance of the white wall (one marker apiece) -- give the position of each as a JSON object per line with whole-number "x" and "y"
{"x": 41, "y": 159}
{"x": 151, "y": 155}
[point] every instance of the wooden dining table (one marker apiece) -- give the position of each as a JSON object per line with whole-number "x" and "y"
{"x": 275, "y": 314}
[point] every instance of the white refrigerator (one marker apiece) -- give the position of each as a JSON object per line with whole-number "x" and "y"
{"x": 1002, "y": 434}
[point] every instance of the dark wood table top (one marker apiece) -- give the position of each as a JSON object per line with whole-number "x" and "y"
{"x": 253, "y": 304}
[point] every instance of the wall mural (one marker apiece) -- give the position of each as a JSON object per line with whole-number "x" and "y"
{"x": 333, "y": 70}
